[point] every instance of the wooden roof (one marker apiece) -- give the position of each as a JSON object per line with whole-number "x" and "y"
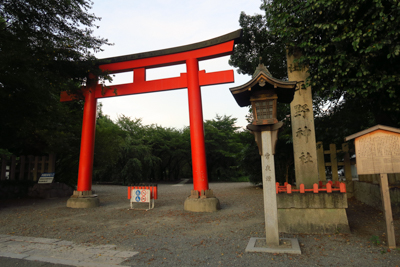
{"x": 369, "y": 130}
{"x": 236, "y": 35}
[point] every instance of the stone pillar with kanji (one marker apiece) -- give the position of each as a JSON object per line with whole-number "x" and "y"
{"x": 303, "y": 130}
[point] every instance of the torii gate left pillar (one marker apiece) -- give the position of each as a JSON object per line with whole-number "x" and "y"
{"x": 201, "y": 198}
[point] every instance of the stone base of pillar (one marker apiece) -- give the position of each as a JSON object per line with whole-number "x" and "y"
{"x": 83, "y": 200}
{"x": 309, "y": 213}
{"x": 202, "y": 204}
{"x": 286, "y": 245}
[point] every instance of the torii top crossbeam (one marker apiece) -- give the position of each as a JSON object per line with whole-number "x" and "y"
{"x": 138, "y": 63}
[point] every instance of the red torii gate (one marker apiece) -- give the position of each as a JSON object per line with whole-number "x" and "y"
{"x": 138, "y": 63}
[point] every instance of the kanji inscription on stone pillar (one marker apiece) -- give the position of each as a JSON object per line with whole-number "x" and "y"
{"x": 303, "y": 130}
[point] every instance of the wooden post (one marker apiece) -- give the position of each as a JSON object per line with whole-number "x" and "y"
{"x": 43, "y": 166}
{"x": 321, "y": 161}
{"x": 3, "y": 167}
{"x": 21, "y": 167}
{"x": 347, "y": 171}
{"x": 347, "y": 164}
{"x": 52, "y": 163}
{"x": 35, "y": 168}
{"x": 30, "y": 167}
{"x": 334, "y": 165}
{"x": 12, "y": 167}
{"x": 387, "y": 208}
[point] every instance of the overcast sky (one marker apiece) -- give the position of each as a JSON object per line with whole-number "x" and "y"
{"x": 136, "y": 26}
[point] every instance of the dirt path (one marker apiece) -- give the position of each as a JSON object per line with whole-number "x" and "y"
{"x": 171, "y": 236}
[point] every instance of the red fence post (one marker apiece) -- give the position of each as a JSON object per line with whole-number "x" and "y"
{"x": 302, "y": 190}
{"x": 315, "y": 188}
{"x": 289, "y": 188}
{"x": 328, "y": 188}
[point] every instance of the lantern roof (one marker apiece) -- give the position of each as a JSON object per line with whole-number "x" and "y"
{"x": 263, "y": 80}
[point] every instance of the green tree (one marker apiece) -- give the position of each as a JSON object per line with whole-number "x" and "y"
{"x": 351, "y": 48}
{"x": 45, "y": 47}
{"x": 108, "y": 142}
{"x": 249, "y": 159}
{"x": 136, "y": 161}
{"x": 352, "y": 51}
{"x": 172, "y": 147}
{"x": 258, "y": 42}
{"x": 223, "y": 148}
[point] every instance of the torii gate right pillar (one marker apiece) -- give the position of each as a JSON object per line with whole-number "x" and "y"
{"x": 199, "y": 163}
{"x": 303, "y": 130}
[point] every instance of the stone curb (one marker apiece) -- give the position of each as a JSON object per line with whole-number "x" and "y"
{"x": 59, "y": 251}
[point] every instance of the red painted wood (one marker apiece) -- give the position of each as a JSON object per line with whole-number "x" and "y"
{"x": 329, "y": 188}
{"x": 140, "y": 86}
{"x": 315, "y": 188}
{"x": 210, "y": 52}
{"x": 199, "y": 165}
{"x": 87, "y": 142}
{"x": 192, "y": 80}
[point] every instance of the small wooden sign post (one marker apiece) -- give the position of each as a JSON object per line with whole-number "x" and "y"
{"x": 378, "y": 152}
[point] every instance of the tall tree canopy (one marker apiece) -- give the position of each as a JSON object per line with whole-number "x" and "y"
{"x": 351, "y": 47}
{"x": 352, "y": 51}
{"x": 45, "y": 47}
{"x": 258, "y": 45}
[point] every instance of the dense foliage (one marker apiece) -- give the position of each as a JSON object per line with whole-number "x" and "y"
{"x": 351, "y": 47}
{"x": 45, "y": 47}
{"x": 127, "y": 151}
{"x": 258, "y": 42}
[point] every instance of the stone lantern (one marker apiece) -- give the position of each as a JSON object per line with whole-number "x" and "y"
{"x": 263, "y": 92}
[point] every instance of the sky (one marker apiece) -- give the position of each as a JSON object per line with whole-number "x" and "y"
{"x": 136, "y": 26}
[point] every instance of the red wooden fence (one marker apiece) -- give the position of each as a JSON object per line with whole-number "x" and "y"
{"x": 329, "y": 187}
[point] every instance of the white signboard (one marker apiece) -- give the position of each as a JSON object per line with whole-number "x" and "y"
{"x": 46, "y": 178}
{"x": 378, "y": 152}
{"x": 141, "y": 196}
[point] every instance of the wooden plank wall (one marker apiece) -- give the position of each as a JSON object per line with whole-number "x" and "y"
{"x": 26, "y": 167}
{"x": 335, "y": 162}
{"x": 393, "y": 178}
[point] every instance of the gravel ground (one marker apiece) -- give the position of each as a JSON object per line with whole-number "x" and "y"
{"x": 171, "y": 236}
